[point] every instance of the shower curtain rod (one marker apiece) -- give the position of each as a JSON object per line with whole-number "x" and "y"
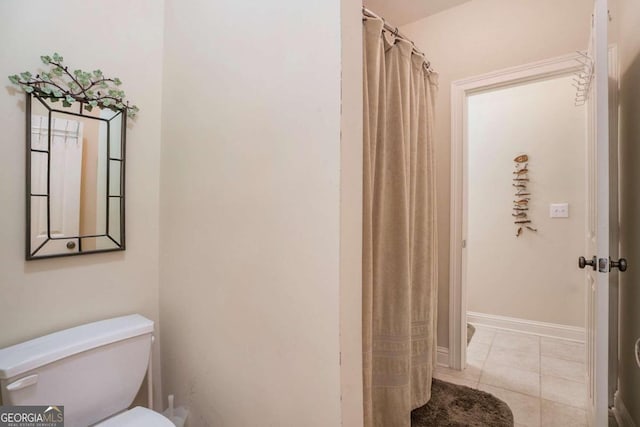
{"x": 367, "y": 13}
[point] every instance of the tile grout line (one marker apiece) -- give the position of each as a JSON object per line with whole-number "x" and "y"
{"x": 567, "y": 405}
{"x": 540, "y": 380}
{"x": 484, "y": 362}
{"x": 513, "y": 391}
{"x": 570, "y": 380}
{"x": 539, "y": 398}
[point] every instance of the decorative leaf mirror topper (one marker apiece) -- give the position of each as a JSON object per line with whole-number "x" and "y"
{"x": 75, "y": 144}
{"x": 91, "y": 88}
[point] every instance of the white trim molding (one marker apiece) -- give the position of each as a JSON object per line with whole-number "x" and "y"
{"x": 532, "y": 327}
{"x": 460, "y": 90}
{"x": 442, "y": 357}
{"x": 621, "y": 413}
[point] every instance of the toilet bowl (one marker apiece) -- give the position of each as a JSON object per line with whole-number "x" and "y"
{"x": 94, "y": 371}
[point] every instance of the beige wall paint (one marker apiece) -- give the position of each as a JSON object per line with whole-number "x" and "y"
{"x": 250, "y": 211}
{"x": 534, "y": 276}
{"x": 43, "y": 296}
{"x": 401, "y": 12}
{"x": 476, "y": 38}
{"x": 628, "y": 19}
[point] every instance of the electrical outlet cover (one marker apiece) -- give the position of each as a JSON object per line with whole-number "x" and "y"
{"x": 559, "y": 210}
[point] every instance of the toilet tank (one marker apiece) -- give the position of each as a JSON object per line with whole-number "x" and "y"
{"x": 94, "y": 370}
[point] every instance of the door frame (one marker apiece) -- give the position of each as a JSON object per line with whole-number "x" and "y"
{"x": 614, "y": 212}
{"x": 460, "y": 90}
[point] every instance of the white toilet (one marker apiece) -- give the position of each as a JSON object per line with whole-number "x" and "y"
{"x": 94, "y": 370}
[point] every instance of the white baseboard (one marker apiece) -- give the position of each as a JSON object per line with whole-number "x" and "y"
{"x": 442, "y": 356}
{"x": 552, "y": 330}
{"x": 620, "y": 412}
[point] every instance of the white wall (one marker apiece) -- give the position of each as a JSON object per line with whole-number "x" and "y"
{"x": 628, "y": 18}
{"x": 123, "y": 39}
{"x": 475, "y": 38}
{"x": 250, "y": 211}
{"x": 534, "y": 276}
{"x": 351, "y": 155}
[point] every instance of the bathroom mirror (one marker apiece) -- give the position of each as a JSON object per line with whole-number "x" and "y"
{"x": 75, "y": 178}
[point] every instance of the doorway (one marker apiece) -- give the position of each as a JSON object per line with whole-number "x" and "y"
{"x": 514, "y": 275}
{"x": 462, "y": 93}
{"x": 526, "y": 208}
{"x": 467, "y": 95}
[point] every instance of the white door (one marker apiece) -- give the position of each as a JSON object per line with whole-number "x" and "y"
{"x": 62, "y": 215}
{"x": 602, "y": 239}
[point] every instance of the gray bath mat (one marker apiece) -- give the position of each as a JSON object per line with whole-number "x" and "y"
{"x": 454, "y": 405}
{"x": 470, "y": 331}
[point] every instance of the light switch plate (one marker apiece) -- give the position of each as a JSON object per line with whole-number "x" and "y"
{"x": 559, "y": 210}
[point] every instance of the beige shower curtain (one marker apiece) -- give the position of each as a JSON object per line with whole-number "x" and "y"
{"x": 399, "y": 241}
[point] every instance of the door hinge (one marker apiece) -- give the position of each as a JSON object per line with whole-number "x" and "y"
{"x": 464, "y": 244}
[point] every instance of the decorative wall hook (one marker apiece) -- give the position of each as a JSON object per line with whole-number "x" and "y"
{"x": 583, "y": 78}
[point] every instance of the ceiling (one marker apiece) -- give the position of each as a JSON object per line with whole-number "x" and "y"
{"x": 401, "y": 12}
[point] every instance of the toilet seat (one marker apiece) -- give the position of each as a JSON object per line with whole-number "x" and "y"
{"x": 137, "y": 417}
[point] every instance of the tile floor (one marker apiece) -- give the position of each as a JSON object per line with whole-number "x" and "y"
{"x": 541, "y": 379}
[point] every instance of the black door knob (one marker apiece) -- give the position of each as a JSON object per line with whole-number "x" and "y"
{"x": 583, "y": 262}
{"x": 621, "y": 264}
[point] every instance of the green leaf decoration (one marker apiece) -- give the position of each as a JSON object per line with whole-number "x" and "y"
{"x": 58, "y": 83}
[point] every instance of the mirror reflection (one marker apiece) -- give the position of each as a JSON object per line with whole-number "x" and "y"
{"x": 75, "y": 178}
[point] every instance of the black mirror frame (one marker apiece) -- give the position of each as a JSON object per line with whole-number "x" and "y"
{"x": 32, "y": 255}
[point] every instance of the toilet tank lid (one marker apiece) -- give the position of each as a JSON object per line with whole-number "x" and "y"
{"x": 23, "y": 357}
